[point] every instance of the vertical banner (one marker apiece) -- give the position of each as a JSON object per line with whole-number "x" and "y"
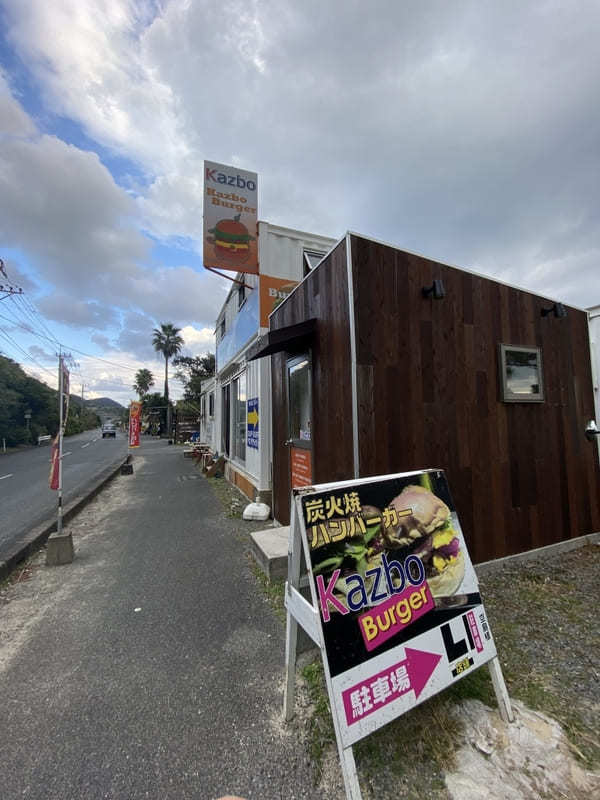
{"x": 230, "y": 218}
{"x": 64, "y": 399}
{"x": 135, "y": 413}
{"x": 54, "y": 463}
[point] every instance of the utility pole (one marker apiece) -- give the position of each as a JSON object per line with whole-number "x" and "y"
{"x": 60, "y": 545}
{"x": 8, "y": 289}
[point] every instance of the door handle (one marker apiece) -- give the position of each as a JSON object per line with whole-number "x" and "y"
{"x": 288, "y": 442}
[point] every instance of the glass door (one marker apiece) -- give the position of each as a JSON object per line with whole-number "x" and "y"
{"x": 299, "y": 376}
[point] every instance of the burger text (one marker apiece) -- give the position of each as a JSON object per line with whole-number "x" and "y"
{"x": 224, "y": 199}
{"x": 394, "y": 615}
{"x": 412, "y": 572}
{"x": 230, "y": 180}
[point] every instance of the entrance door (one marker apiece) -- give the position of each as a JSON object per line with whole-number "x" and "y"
{"x": 300, "y": 420}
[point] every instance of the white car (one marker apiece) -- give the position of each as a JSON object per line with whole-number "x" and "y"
{"x": 108, "y": 429}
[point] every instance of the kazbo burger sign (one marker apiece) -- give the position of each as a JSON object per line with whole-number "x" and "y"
{"x": 230, "y": 218}
{"x": 397, "y": 596}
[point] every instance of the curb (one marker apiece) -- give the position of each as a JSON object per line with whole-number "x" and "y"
{"x": 37, "y": 537}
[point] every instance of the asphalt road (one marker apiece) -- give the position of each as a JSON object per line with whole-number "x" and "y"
{"x": 25, "y": 499}
{"x": 152, "y": 667}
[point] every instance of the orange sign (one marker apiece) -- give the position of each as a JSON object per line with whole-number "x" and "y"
{"x": 273, "y": 291}
{"x": 135, "y": 412}
{"x": 230, "y": 218}
{"x": 301, "y": 467}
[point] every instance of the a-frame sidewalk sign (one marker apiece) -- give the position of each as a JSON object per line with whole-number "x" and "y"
{"x": 395, "y": 607}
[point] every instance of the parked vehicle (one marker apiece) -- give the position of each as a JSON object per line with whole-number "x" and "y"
{"x": 108, "y": 429}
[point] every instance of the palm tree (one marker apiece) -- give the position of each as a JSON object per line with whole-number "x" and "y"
{"x": 166, "y": 340}
{"x": 144, "y": 379}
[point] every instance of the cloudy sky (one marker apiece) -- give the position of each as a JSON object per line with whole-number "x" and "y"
{"x": 466, "y": 131}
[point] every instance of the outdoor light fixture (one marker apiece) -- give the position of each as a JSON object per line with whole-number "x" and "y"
{"x": 557, "y": 309}
{"x": 591, "y": 430}
{"x": 436, "y": 290}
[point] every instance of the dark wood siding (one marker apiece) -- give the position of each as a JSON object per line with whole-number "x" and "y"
{"x": 324, "y": 296}
{"x": 523, "y": 475}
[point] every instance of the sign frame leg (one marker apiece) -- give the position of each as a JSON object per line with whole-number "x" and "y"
{"x": 502, "y": 696}
{"x": 291, "y": 637}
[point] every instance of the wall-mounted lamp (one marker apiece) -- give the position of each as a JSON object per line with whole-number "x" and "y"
{"x": 557, "y": 309}
{"x": 436, "y": 290}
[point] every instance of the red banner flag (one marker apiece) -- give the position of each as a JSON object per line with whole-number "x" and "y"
{"x": 54, "y": 464}
{"x": 135, "y": 413}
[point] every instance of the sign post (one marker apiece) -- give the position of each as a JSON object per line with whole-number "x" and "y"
{"x": 395, "y": 606}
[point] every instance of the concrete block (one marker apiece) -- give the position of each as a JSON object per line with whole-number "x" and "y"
{"x": 270, "y": 551}
{"x": 59, "y": 549}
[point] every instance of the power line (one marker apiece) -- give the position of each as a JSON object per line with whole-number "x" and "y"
{"x": 30, "y": 330}
{"x": 25, "y": 353}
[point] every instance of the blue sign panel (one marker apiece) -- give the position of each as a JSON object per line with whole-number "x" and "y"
{"x": 252, "y": 423}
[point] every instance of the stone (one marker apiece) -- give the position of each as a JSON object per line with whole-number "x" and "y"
{"x": 59, "y": 549}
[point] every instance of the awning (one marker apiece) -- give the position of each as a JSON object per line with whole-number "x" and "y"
{"x": 291, "y": 338}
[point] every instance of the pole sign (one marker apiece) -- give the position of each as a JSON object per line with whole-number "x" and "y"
{"x": 230, "y": 218}
{"x": 396, "y": 594}
{"x": 135, "y": 412}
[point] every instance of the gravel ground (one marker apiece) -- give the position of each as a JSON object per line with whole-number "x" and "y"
{"x": 544, "y": 616}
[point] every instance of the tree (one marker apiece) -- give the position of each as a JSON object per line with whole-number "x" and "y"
{"x": 166, "y": 340}
{"x": 192, "y": 370}
{"x": 144, "y": 379}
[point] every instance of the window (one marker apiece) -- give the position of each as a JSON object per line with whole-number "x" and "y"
{"x": 241, "y": 296}
{"x": 211, "y": 404}
{"x": 222, "y": 329}
{"x": 521, "y": 374}
{"x": 225, "y": 429}
{"x": 311, "y": 259}
{"x": 238, "y": 415}
{"x": 203, "y": 406}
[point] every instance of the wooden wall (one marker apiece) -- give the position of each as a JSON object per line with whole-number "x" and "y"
{"x": 522, "y": 475}
{"x": 324, "y": 296}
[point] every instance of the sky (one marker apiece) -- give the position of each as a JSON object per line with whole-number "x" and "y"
{"x": 468, "y": 132}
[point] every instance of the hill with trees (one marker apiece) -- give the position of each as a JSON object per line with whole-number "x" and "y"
{"x": 22, "y": 395}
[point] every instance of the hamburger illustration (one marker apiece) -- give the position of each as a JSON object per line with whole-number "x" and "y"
{"x": 427, "y": 532}
{"x": 231, "y": 240}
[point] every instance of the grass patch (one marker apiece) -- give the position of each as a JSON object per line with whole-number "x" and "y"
{"x": 274, "y": 591}
{"x": 232, "y": 500}
{"x": 321, "y": 734}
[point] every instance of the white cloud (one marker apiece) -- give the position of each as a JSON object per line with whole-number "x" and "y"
{"x": 466, "y": 131}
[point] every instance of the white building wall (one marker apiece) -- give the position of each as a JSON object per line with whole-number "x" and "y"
{"x": 281, "y": 255}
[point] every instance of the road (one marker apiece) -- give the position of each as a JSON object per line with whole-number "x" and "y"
{"x": 25, "y": 499}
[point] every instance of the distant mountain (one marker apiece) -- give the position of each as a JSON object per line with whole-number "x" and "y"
{"x": 105, "y": 407}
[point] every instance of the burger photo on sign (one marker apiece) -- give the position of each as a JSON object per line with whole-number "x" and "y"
{"x": 231, "y": 240}
{"x": 425, "y": 529}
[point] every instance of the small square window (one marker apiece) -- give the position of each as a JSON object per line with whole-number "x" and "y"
{"x": 521, "y": 374}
